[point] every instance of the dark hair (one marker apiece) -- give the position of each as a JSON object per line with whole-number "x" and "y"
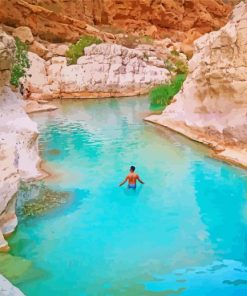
{"x": 132, "y": 168}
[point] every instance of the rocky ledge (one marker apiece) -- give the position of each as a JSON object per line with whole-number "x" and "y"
{"x": 212, "y": 106}
{"x": 106, "y": 70}
{"x": 18, "y": 144}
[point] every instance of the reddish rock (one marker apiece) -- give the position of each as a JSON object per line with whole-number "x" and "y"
{"x": 57, "y": 20}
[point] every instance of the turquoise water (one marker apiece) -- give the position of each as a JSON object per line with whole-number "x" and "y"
{"x": 182, "y": 233}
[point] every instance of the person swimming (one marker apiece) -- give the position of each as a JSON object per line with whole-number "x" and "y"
{"x": 131, "y": 178}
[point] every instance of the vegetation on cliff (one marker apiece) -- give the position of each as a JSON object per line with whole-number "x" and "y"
{"x": 162, "y": 95}
{"x": 21, "y": 62}
{"x": 76, "y": 50}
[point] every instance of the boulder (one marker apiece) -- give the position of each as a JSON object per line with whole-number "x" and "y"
{"x": 58, "y": 49}
{"x": 38, "y": 48}
{"x": 24, "y": 34}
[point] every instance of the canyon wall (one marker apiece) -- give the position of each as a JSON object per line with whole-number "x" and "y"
{"x": 58, "y": 20}
{"x": 18, "y": 144}
{"x": 106, "y": 70}
{"x": 212, "y": 106}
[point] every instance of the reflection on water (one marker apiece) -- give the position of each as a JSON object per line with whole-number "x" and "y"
{"x": 225, "y": 277}
{"x": 113, "y": 241}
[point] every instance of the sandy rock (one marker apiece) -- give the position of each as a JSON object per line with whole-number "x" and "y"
{"x": 212, "y": 107}
{"x": 7, "y": 50}
{"x": 24, "y": 34}
{"x": 151, "y": 31}
{"x": 187, "y": 49}
{"x": 191, "y": 36}
{"x": 34, "y": 107}
{"x": 62, "y": 23}
{"x": 58, "y": 49}
{"x": 38, "y": 48}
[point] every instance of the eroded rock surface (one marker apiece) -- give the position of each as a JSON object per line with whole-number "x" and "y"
{"x": 48, "y": 21}
{"x": 18, "y": 144}
{"x": 106, "y": 70}
{"x": 67, "y": 20}
{"x": 212, "y": 107}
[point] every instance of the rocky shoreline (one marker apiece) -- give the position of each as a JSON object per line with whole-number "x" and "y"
{"x": 211, "y": 108}
{"x": 18, "y": 144}
{"x": 231, "y": 153}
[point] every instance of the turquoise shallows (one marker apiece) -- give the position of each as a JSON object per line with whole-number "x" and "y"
{"x": 182, "y": 233}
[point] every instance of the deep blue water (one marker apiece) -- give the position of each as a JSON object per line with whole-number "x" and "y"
{"x": 182, "y": 233}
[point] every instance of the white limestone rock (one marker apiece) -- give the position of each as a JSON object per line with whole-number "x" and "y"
{"x": 212, "y": 106}
{"x": 108, "y": 69}
{"x": 18, "y": 144}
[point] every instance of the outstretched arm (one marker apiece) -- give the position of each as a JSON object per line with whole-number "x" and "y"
{"x": 124, "y": 181}
{"x": 138, "y": 178}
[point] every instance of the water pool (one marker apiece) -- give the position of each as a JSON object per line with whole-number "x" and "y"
{"x": 182, "y": 233}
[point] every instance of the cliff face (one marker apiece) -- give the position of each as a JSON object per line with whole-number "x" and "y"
{"x": 18, "y": 144}
{"x": 67, "y": 20}
{"x": 212, "y": 107}
{"x": 106, "y": 70}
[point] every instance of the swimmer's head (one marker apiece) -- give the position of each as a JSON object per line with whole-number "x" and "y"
{"x": 132, "y": 168}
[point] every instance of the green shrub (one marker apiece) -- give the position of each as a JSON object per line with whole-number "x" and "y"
{"x": 145, "y": 56}
{"x": 77, "y": 50}
{"x": 146, "y": 40}
{"x": 181, "y": 67}
{"x": 21, "y": 62}
{"x": 175, "y": 53}
{"x": 169, "y": 65}
{"x": 162, "y": 95}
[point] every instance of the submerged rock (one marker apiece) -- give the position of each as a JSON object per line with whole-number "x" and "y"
{"x": 106, "y": 70}
{"x": 212, "y": 106}
{"x": 37, "y": 199}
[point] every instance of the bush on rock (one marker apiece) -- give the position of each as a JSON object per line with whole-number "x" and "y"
{"x": 21, "y": 62}
{"x": 76, "y": 50}
{"x": 162, "y": 95}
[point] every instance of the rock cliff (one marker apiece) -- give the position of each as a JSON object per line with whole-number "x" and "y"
{"x": 18, "y": 144}
{"x": 106, "y": 70}
{"x": 212, "y": 106}
{"x": 66, "y": 20}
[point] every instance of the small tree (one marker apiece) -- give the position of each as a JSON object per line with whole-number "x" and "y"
{"x": 21, "y": 63}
